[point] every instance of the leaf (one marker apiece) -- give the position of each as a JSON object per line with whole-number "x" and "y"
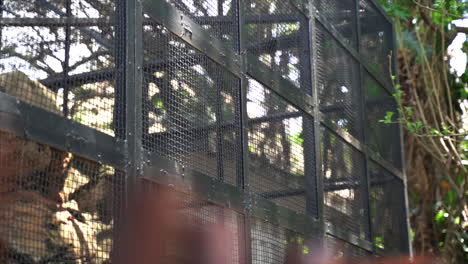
{"x": 460, "y": 179}
{"x": 450, "y": 197}
{"x": 439, "y": 217}
{"x": 435, "y": 132}
{"x": 158, "y": 102}
{"x": 378, "y": 242}
{"x": 409, "y": 111}
{"x": 388, "y": 118}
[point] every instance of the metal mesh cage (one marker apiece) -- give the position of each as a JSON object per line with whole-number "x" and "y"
{"x": 338, "y": 84}
{"x": 384, "y": 139}
{"x": 271, "y": 244}
{"x": 65, "y": 65}
{"x": 55, "y": 206}
{"x": 219, "y": 17}
{"x": 344, "y": 184}
{"x": 280, "y": 138}
{"x": 376, "y": 39}
{"x": 191, "y": 106}
{"x": 344, "y": 251}
{"x": 342, "y": 16}
{"x": 387, "y": 205}
{"x": 261, "y": 114}
{"x": 277, "y": 35}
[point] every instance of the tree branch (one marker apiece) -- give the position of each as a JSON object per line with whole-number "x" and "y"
{"x": 461, "y": 30}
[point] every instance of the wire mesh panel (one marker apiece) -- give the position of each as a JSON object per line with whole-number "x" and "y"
{"x": 60, "y": 55}
{"x": 342, "y": 16}
{"x": 344, "y": 185}
{"x": 277, "y": 35}
{"x": 191, "y": 106}
{"x": 270, "y": 243}
{"x": 219, "y": 17}
{"x": 383, "y": 138}
{"x": 344, "y": 252}
{"x": 376, "y": 39}
{"x": 388, "y": 212}
{"x": 280, "y": 139}
{"x": 55, "y": 207}
{"x": 338, "y": 84}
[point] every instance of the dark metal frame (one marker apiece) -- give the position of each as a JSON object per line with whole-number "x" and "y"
{"x": 129, "y": 155}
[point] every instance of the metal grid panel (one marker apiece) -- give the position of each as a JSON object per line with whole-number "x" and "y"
{"x": 388, "y": 213}
{"x": 344, "y": 185}
{"x": 191, "y": 106}
{"x": 382, "y": 138}
{"x": 219, "y": 17}
{"x": 343, "y": 252}
{"x": 55, "y": 207}
{"x": 278, "y": 140}
{"x": 376, "y": 39}
{"x": 338, "y": 84}
{"x": 61, "y": 57}
{"x": 341, "y": 14}
{"x": 277, "y": 34}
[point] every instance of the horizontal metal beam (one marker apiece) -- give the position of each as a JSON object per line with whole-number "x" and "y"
{"x": 375, "y": 102}
{"x": 386, "y": 165}
{"x": 108, "y": 74}
{"x": 188, "y": 30}
{"x": 59, "y": 81}
{"x": 282, "y": 193}
{"x": 223, "y": 126}
{"x": 355, "y": 143}
{"x": 260, "y": 19}
{"x": 166, "y": 172}
{"x": 330, "y": 185}
{"x": 91, "y": 33}
{"x": 278, "y": 43}
{"x": 54, "y": 22}
{"x": 51, "y": 129}
{"x": 347, "y": 237}
{"x": 283, "y": 87}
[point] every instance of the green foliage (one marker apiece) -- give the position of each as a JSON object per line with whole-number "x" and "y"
{"x": 397, "y": 9}
{"x": 378, "y": 242}
{"x": 428, "y": 110}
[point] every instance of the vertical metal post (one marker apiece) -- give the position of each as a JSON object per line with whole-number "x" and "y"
{"x": 407, "y": 228}
{"x": 243, "y": 97}
{"x": 66, "y": 61}
{"x": 219, "y": 111}
{"x": 307, "y": 121}
{"x": 1, "y": 28}
{"x": 317, "y": 117}
{"x": 134, "y": 79}
{"x": 243, "y": 181}
{"x": 119, "y": 114}
{"x": 145, "y": 112}
{"x": 361, "y": 96}
{"x": 219, "y": 131}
